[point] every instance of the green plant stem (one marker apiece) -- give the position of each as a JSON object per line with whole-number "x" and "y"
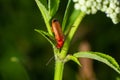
{"x": 59, "y": 65}
{"x": 71, "y": 34}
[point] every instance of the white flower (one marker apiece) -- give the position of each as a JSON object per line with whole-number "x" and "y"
{"x": 82, "y": 2}
{"x": 83, "y": 8}
{"x": 88, "y": 3}
{"x": 94, "y": 4}
{"x": 77, "y": 6}
{"x": 75, "y": 0}
{"x": 94, "y": 10}
{"x": 104, "y": 8}
{"x": 117, "y": 10}
{"x": 105, "y": 2}
{"x": 110, "y": 7}
{"x": 109, "y": 10}
{"x": 113, "y": 6}
{"x": 99, "y": 1}
{"x": 99, "y": 6}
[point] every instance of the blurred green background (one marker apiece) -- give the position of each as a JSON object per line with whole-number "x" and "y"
{"x": 24, "y": 53}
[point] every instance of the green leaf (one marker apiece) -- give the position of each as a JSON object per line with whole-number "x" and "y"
{"x": 45, "y": 15}
{"x": 73, "y": 58}
{"x": 53, "y": 6}
{"x": 44, "y": 2}
{"x": 100, "y": 57}
{"x": 46, "y": 35}
{"x": 43, "y": 10}
{"x": 66, "y": 15}
{"x": 72, "y": 18}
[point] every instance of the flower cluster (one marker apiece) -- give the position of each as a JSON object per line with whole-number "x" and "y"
{"x": 110, "y": 7}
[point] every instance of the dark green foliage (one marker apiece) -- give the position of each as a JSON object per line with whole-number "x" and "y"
{"x": 19, "y": 41}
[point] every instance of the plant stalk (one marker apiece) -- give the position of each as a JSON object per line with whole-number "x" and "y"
{"x": 59, "y": 65}
{"x": 71, "y": 34}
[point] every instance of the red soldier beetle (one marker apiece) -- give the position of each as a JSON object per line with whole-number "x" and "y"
{"x": 59, "y": 36}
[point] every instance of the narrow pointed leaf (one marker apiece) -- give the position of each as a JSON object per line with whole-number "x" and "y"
{"x": 53, "y": 6}
{"x": 73, "y": 58}
{"x": 43, "y": 10}
{"x": 70, "y": 16}
{"x": 45, "y": 15}
{"x": 71, "y": 20}
{"x": 67, "y": 14}
{"x": 111, "y": 62}
{"x": 46, "y": 35}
